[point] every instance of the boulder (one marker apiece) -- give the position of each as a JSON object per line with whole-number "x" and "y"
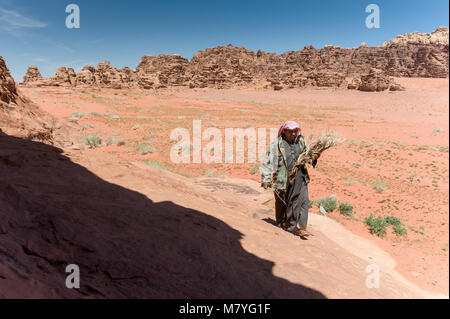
{"x": 375, "y": 81}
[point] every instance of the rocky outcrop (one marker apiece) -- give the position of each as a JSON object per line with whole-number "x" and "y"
{"x": 375, "y": 81}
{"x": 86, "y": 77}
{"x": 32, "y": 75}
{"x": 107, "y": 76}
{"x": 18, "y": 115}
{"x": 162, "y": 71}
{"x": 64, "y": 77}
{"x": 297, "y": 78}
{"x": 222, "y": 67}
{"x": 411, "y": 55}
{"x": 440, "y": 36}
{"x": 8, "y": 91}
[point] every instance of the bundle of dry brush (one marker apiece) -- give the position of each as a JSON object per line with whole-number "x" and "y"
{"x": 325, "y": 141}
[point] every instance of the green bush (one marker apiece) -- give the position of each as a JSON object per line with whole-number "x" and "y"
{"x": 400, "y": 229}
{"x": 328, "y": 203}
{"x": 380, "y": 187}
{"x": 156, "y": 164}
{"x": 311, "y": 204}
{"x": 392, "y": 220}
{"x": 345, "y": 209}
{"x": 93, "y": 141}
{"x": 113, "y": 141}
{"x": 376, "y": 225}
{"x": 78, "y": 114}
{"x": 145, "y": 149}
{"x": 113, "y": 116}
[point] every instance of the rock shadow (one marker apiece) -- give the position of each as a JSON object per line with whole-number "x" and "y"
{"x": 54, "y": 212}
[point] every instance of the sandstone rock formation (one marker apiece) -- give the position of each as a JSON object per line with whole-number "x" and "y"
{"x": 162, "y": 71}
{"x": 64, "y": 77}
{"x": 440, "y": 36}
{"x": 375, "y": 81}
{"x": 107, "y": 76}
{"x": 22, "y": 118}
{"x": 8, "y": 91}
{"x": 411, "y": 55}
{"x": 224, "y": 66}
{"x": 32, "y": 75}
{"x": 86, "y": 77}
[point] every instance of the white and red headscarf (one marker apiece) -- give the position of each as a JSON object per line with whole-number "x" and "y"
{"x": 289, "y": 125}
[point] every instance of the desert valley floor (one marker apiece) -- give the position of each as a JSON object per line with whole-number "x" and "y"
{"x": 394, "y": 161}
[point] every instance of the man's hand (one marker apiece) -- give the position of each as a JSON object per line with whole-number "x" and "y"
{"x": 314, "y": 160}
{"x": 265, "y": 185}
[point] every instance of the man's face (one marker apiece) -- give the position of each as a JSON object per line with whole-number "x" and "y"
{"x": 291, "y": 135}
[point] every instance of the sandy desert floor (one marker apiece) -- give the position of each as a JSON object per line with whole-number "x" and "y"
{"x": 395, "y": 160}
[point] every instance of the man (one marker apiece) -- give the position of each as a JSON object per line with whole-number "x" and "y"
{"x": 291, "y": 201}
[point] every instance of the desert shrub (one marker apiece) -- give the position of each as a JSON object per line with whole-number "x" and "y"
{"x": 95, "y": 113}
{"x": 93, "y": 141}
{"x": 113, "y": 141}
{"x": 145, "y": 149}
{"x": 351, "y": 181}
{"x": 210, "y": 173}
{"x": 328, "y": 203}
{"x": 400, "y": 229}
{"x": 311, "y": 204}
{"x": 376, "y": 225}
{"x": 392, "y": 220}
{"x": 78, "y": 114}
{"x": 156, "y": 164}
{"x": 87, "y": 126}
{"x": 380, "y": 187}
{"x": 345, "y": 209}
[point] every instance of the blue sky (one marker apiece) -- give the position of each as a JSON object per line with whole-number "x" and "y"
{"x": 34, "y": 32}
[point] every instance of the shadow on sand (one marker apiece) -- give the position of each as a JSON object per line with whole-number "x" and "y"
{"x": 54, "y": 212}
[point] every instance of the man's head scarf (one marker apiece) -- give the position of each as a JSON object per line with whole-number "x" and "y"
{"x": 289, "y": 125}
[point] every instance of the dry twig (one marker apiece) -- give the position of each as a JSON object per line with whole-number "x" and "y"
{"x": 325, "y": 141}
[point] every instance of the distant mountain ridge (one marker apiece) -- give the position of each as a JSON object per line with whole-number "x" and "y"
{"x": 409, "y": 55}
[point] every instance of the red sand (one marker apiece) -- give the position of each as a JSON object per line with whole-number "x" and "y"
{"x": 398, "y": 139}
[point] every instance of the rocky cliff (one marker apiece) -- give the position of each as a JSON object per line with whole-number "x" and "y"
{"x": 410, "y": 55}
{"x": 22, "y": 118}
